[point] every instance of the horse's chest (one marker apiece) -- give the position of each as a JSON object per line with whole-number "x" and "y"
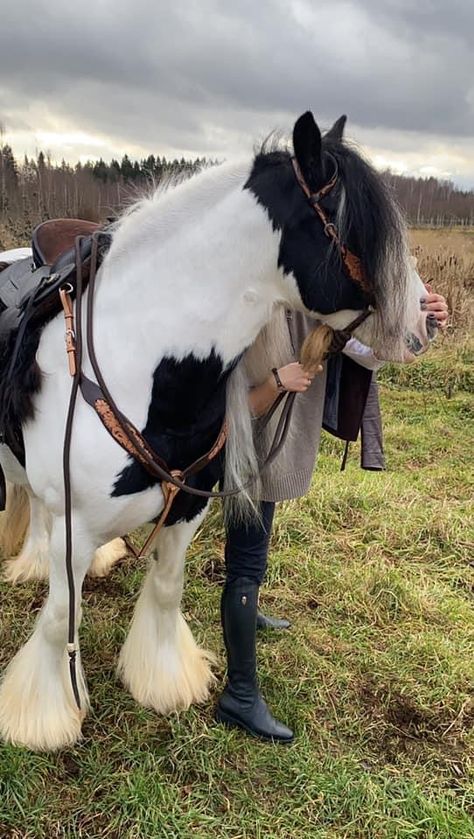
{"x": 185, "y": 414}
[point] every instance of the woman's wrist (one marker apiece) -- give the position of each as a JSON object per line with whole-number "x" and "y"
{"x": 272, "y": 385}
{"x": 280, "y": 387}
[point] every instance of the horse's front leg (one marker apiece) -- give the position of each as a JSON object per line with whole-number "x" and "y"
{"x": 160, "y": 662}
{"x": 37, "y": 705}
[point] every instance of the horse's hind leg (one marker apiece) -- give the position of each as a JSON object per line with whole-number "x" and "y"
{"x": 106, "y": 557}
{"x": 160, "y": 662}
{"x": 37, "y": 705}
{"x": 33, "y": 561}
{"x": 14, "y": 520}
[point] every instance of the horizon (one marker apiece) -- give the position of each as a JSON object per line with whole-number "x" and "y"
{"x": 212, "y": 80}
{"x": 91, "y": 161}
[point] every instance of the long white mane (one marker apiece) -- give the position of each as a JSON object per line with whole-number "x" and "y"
{"x": 174, "y": 203}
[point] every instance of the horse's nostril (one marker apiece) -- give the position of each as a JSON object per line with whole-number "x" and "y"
{"x": 431, "y": 326}
{"x": 414, "y": 344}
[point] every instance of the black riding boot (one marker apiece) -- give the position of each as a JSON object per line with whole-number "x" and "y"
{"x": 241, "y": 703}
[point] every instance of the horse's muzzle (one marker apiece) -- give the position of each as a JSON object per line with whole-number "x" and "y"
{"x": 415, "y": 345}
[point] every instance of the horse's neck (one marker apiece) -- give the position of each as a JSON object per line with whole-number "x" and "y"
{"x": 194, "y": 283}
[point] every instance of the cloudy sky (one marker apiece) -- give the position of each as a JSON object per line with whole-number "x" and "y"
{"x": 212, "y": 77}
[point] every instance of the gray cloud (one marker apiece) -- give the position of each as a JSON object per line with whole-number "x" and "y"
{"x": 209, "y": 76}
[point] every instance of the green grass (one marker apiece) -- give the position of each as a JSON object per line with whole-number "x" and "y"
{"x": 448, "y": 367}
{"x": 376, "y": 674}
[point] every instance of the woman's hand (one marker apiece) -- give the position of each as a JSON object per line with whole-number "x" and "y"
{"x": 294, "y": 378}
{"x": 436, "y": 305}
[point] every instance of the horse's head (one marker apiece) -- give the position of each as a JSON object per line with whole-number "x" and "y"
{"x": 343, "y": 245}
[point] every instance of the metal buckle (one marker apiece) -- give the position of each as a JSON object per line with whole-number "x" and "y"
{"x": 329, "y": 226}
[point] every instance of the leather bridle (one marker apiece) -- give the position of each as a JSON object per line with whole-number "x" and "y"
{"x": 352, "y": 264}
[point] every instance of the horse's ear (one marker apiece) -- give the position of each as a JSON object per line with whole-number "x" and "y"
{"x": 336, "y": 132}
{"x": 307, "y": 145}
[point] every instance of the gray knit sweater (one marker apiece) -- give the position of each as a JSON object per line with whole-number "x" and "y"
{"x": 291, "y": 473}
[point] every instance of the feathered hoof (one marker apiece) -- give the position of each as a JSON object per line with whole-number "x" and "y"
{"x": 37, "y": 707}
{"x": 29, "y": 565}
{"x": 106, "y": 557}
{"x": 169, "y": 676}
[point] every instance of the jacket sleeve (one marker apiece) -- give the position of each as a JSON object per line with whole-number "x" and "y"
{"x": 362, "y": 354}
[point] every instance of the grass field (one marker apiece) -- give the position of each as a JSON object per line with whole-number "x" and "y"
{"x": 376, "y": 675}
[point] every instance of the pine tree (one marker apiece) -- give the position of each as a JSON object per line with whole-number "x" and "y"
{"x": 126, "y": 168}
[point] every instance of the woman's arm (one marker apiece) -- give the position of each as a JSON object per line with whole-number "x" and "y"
{"x": 292, "y": 377}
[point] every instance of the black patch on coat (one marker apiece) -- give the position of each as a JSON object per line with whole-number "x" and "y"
{"x": 18, "y": 387}
{"x": 185, "y": 415}
{"x": 305, "y": 251}
{"x": 373, "y": 225}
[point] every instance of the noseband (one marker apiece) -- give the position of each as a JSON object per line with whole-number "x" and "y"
{"x": 352, "y": 264}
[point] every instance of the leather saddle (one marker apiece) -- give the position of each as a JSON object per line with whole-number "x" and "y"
{"x": 29, "y": 298}
{"x": 55, "y": 237}
{"x": 29, "y": 288}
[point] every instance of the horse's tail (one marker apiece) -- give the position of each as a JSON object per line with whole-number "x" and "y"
{"x": 14, "y": 521}
{"x": 241, "y": 465}
{"x": 247, "y": 444}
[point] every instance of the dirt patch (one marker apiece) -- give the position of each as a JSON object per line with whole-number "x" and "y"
{"x": 401, "y": 713}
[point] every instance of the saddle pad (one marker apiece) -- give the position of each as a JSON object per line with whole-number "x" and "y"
{"x": 14, "y": 255}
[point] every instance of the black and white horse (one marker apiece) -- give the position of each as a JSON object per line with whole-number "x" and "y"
{"x": 193, "y": 274}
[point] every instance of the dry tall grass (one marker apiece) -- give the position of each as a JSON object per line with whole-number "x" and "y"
{"x": 446, "y": 262}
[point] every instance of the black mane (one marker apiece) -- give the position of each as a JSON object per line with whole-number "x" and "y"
{"x": 370, "y": 221}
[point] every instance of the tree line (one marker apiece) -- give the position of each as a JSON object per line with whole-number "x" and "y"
{"x": 35, "y": 189}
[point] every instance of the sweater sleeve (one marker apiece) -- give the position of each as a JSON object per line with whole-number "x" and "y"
{"x": 362, "y": 355}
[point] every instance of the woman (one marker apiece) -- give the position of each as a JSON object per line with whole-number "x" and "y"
{"x": 241, "y": 704}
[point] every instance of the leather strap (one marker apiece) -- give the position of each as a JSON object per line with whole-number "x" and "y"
{"x": 351, "y": 262}
{"x": 169, "y": 491}
{"x": 77, "y": 353}
{"x": 65, "y": 297}
{"x": 3, "y": 490}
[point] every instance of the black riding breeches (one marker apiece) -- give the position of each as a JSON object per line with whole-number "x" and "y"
{"x": 246, "y": 549}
